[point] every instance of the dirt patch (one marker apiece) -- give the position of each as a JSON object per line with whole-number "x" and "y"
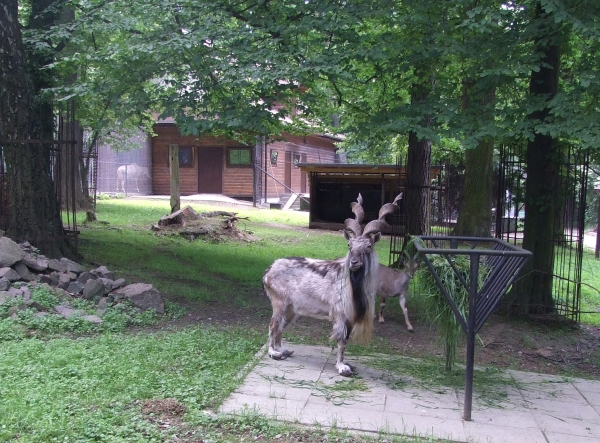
{"x": 163, "y": 408}
{"x": 165, "y": 413}
{"x": 503, "y": 342}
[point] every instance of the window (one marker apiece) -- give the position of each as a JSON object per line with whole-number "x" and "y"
{"x": 296, "y": 160}
{"x": 274, "y": 155}
{"x": 186, "y": 156}
{"x": 239, "y": 157}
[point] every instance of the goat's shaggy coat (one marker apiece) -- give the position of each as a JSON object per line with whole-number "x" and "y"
{"x": 341, "y": 290}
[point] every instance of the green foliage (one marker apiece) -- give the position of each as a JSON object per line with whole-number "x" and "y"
{"x": 240, "y": 69}
{"x": 90, "y": 388}
{"x": 490, "y": 384}
{"x": 45, "y": 297}
{"x": 438, "y": 311}
{"x": 29, "y": 322}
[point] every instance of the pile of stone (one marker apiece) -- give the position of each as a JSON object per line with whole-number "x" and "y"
{"x": 23, "y": 267}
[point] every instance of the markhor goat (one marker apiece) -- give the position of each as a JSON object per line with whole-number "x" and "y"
{"x": 394, "y": 283}
{"x": 341, "y": 290}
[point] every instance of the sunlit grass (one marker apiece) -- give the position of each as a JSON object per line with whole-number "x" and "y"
{"x": 590, "y": 289}
{"x": 202, "y": 270}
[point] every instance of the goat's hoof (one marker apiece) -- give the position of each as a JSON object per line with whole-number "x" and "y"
{"x": 280, "y": 355}
{"x": 410, "y": 329}
{"x": 345, "y": 370}
{"x": 381, "y": 320}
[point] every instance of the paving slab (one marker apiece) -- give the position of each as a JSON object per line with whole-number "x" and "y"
{"x": 305, "y": 388}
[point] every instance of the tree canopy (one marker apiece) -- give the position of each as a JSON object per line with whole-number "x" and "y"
{"x": 414, "y": 77}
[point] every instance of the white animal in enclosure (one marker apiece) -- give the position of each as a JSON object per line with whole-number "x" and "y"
{"x": 394, "y": 283}
{"x": 131, "y": 173}
{"x": 342, "y": 290}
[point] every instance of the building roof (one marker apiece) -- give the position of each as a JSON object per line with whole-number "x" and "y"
{"x": 349, "y": 168}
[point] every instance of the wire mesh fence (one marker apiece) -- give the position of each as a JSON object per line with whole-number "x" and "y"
{"x": 126, "y": 172}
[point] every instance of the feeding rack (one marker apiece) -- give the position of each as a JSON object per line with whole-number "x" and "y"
{"x": 503, "y": 262}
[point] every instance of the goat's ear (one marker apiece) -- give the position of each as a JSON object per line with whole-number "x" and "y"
{"x": 347, "y": 234}
{"x": 375, "y": 237}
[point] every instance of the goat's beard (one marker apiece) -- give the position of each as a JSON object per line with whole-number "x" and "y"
{"x": 359, "y": 297}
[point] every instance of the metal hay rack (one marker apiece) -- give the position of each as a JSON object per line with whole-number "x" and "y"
{"x": 503, "y": 260}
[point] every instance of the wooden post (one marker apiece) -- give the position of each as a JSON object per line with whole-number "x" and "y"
{"x": 174, "y": 170}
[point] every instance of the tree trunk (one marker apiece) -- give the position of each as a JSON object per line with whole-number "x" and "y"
{"x": 34, "y": 214}
{"x": 542, "y": 184}
{"x": 475, "y": 215}
{"x": 417, "y": 185}
{"x": 418, "y": 163}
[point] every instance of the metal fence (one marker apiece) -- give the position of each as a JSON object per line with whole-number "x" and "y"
{"x": 508, "y": 214}
{"x": 568, "y": 236}
{"x": 125, "y": 172}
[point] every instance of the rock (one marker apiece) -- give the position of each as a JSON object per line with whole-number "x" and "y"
{"x": 38, "y": 264}
{"x": 56, "y": 265}
{"x": 23, "y": 271}
{"x": 50, "y": 279}
{"x": 13, "y": 310}
{"x": 63, "y": 295}
{"x": 4, "y": 284}
{"x": 67, "y": 311}
{"x": 71, "y": 266}
{"x": 108, "y": 284}
{"x": 118, "y": 283}
{"x": 93, "y": 289}
{"x": 35, "y": 305}
{"x": 85, "y": 276}
{"x": 26, "y": 292}
{"x": 15, "y": 292}
{"x": 9, "y": 274}
{"x": 103, "y": 272}
{"x": 10, "y": 252}
{"x": 75, "y": 287}
{"x": 102, "y": 306}
{"x": 92, "y": 319}
{"x": 64, "y": 280}
{"x": 5, "y": 297}
{"x": 143, "y": 296}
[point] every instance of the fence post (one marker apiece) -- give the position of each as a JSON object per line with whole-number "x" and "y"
{"x": 174, "y": 169}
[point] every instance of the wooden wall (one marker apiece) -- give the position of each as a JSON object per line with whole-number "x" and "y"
{"x": 168, "y": 134}
{"x": 238, "y": 182}
{"x": 310, "y": 149}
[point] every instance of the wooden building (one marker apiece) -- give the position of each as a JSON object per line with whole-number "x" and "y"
{"x": 264, "y": 172}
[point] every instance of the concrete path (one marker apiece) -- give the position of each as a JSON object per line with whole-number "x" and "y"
{"x": 305, "y": 389}
{"x": 196, "y": 198}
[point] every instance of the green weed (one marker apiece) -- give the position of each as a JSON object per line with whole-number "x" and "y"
{"x": 87, "y": 388}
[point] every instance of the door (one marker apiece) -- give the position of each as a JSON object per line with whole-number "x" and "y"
{"x": 288, "y": 171}
{"x": 210, "y": 170}
{"x": 303, "y": 176}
